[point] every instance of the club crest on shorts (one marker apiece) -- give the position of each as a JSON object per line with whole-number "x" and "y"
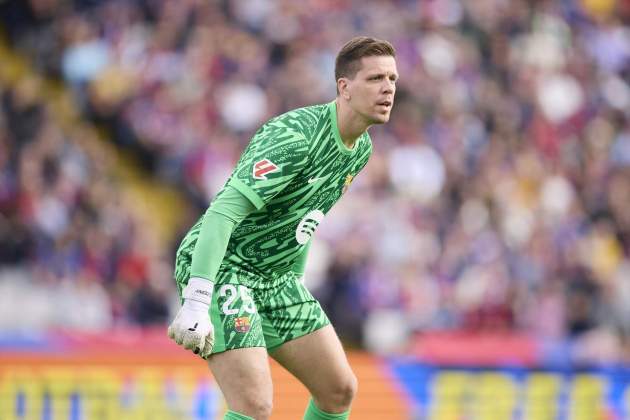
{"x": 242, "y": 324}
{"x": 264, "y": 167}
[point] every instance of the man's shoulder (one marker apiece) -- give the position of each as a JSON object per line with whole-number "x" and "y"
{"x": 305, "y": 112}
{"x": 301, "y": 120}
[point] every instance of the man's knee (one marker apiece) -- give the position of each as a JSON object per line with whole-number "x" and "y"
{"x": 348, "y": 389}
{"x": 338, "y": 397}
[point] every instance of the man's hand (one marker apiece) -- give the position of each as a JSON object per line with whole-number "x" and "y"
{"x": 192, "y": 327}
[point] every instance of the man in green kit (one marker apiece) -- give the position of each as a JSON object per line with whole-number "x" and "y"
{"x": 239, "y": 269}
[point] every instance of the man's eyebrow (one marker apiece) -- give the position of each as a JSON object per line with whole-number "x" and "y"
{"x": 376, "y": 73}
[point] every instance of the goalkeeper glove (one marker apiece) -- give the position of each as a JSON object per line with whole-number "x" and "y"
{"x": 192, "y": 327}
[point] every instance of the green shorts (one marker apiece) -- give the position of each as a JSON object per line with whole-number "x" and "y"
{"x": 251, "y": 312}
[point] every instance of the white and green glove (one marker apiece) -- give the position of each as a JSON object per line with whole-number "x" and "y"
{"x": 192, "y": 328}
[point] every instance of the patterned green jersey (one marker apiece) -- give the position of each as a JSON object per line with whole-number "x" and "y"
{"x": 293, "y": 171}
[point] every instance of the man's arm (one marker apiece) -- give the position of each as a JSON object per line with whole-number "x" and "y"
{"x": 274, "y": 156}
{"x": 192, "y": 327}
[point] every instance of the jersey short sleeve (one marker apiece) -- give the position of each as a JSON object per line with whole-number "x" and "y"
{"x": 274, "y": 156}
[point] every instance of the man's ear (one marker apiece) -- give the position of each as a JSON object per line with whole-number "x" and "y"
{"x": 343, "y": 87}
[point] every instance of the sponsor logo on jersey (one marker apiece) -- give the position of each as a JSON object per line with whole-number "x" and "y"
{"x": 242, "y": 324}
{"x": 347, "y": 183}
{"x": 307, "y": 226}
{"x": 264, "y": 167}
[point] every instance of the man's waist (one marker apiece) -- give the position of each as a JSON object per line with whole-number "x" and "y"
{"x": 254, "y": 278}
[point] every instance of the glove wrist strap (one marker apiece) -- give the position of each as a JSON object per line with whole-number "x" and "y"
{"x": 199, "y": 289}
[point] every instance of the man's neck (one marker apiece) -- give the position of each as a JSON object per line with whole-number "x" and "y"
{"x": 351, "y": 125}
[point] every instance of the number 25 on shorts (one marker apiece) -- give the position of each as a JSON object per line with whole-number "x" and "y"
{"x": 232, "y": 294}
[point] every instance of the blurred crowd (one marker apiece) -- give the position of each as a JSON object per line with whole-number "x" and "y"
{"x": 496, "y": 199}
{"x": 72, "y": 255}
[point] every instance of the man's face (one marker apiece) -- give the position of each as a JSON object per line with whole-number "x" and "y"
{"x": 371, "y": 92}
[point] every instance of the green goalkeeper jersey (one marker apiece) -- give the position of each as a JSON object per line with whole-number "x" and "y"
{"x": 293, "y": 171}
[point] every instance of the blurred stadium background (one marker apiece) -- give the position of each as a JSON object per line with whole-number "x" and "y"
{"x": 479, "y": 268}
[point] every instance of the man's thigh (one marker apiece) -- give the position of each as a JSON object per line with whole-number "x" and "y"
{"x": 236, "y": 319}
{"x": 321, "y": 349}
{"x": 288, "y": 311}
{"x": 233, "y": 313}
{"x": 244, "y": 378}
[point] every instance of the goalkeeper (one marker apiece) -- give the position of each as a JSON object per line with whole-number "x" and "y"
{"x": 239, "y": 269}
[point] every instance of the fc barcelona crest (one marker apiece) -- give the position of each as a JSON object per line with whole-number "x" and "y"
{"x": 242, "y": 324}
{"x": 347, "y": 183}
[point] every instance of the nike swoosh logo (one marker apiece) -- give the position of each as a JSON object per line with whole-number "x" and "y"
{"x": 312, "y": 180}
